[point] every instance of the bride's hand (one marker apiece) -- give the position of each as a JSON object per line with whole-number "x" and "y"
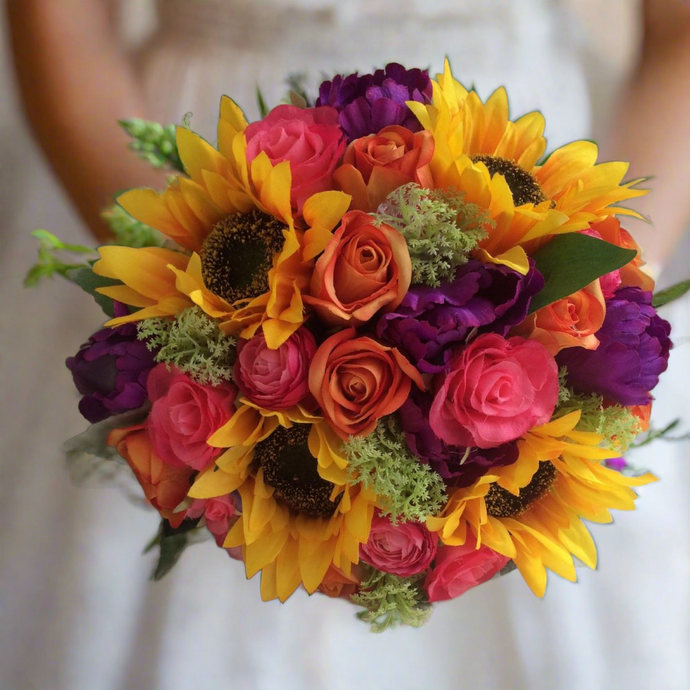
{"x": 76, "y": 82}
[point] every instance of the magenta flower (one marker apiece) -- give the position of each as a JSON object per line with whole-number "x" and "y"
{"x": 368, "y": 103}
{"x": 184, "y": 415}
{"x": 459, "y": 568}
{"x": 495, "y": 391}
{"x": 404, "y": 549}
{"x": 275, "y": 379}
{"x": 633, "y": 351}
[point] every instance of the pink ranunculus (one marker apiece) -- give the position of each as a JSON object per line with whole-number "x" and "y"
{"x": 495, "y": 391}
{"x": 459, "y": 568}
{"x": 310, "y": 138}
{"x": 275, "y": 379}
{"x": 184, "y": 415}
{"x": 220, "y": 514}
{"x": 404, "y": 549}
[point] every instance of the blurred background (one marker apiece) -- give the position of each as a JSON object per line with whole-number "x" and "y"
{"x": 77, "y": 610}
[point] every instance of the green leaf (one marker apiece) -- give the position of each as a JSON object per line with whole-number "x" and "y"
{"x": 263, "y": 108}
{"x": 88, "y": 281}
{"x": 172, "y": 541}
{"x": 670, "y": 294}
{"x": 572, "y": 261}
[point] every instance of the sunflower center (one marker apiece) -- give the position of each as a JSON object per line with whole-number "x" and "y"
{"x": 238, "y": 254}
{"x": 502, "y": 504}
{"x": 291, "y": 470}
{"x": 524, "y": 188}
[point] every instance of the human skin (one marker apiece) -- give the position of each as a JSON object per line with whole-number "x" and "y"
{"x": 75, "y": 82}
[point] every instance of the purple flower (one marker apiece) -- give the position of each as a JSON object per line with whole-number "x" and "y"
{"x": 456, "y": 466}
{"x": 633, "y": 350}
{"x": 370, "y": 102}
{"x": 110, "y": 371}
{"x": 430, "y": 322}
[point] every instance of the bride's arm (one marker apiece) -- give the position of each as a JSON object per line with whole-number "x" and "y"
{"x": 652, "y": 124}
{"x": 75, "y": 83}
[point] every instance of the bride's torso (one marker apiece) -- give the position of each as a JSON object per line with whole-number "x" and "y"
{"x": 204, "y": 48}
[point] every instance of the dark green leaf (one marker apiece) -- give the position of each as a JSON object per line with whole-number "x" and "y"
{"x": 263, "y": 108}
{"x": 88, "y": 281}
{"x": 670, "y": 294}
{"x": 172, "y": 541}
{"x": 572, "y": 261}
{"x": 171, "y": 549}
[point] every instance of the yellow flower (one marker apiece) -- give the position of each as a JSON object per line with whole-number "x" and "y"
{"x": 532, "y": 510}
{"x": 299, "y": 514}
{"x": 493, "y": 160}
{"x": 221, "y": 188}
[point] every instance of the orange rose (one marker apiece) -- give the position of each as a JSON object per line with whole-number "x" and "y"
{"x": 632, "y": 275}
{"x": 569, "y": 322}
{"x": 363, "y": 270}
{"x": 165, "y": 487}
{"x": 643, "y": 413}
{"x": 376, "y": 165}
{"x": 337, "y": 584}
{"x": 357, "y": 380}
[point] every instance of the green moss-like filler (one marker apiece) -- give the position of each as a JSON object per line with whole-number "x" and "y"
{"x": 193, "y": 343}
{"x": 129, "y": 232}
{"x": 617, "y": 424}
{"x": 564, "y": 393}
{"x": 390, "y": 599}
{"x": 439, "y": 226}
{"x": 407, "y": 489}
{"x": 155, "y": 143}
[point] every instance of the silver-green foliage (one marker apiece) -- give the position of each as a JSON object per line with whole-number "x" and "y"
{"x": 193, "y": 343}
{"x": 391, "y": 599}
{"x": 407, "y": 489}
{"x": 440, "y": 228}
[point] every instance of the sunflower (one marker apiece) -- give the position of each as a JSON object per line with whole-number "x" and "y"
{"x": 237, "y": 221}
{"x": 493, "y": 160}
{"x": 299, "y": 514}
{"x": 532, "y": 511}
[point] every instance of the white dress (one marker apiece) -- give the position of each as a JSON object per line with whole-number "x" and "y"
{"x": 78, "y": 611}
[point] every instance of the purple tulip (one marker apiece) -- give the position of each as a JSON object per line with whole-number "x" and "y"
{"x": 633, "y": 351}
{"x": 111, "y": 370}
{"x": 430, "y": 322}
{"x": 457, "y": 466}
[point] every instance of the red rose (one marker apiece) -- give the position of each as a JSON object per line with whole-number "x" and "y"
{"x": 495, "y": 391}
{"x": 459, "y": 568}
{"x": 310, "y": 138}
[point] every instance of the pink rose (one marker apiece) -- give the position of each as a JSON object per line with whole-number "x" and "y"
{"x": 310, "y": 138}
{"x": 220, "y": 514}
{"x": 404, "y": 549}
{"x": 275, "y": 379}
{"x": 184, "y": 415}
{"x": 459, "y": 568}
{"x": 496, "y": 390}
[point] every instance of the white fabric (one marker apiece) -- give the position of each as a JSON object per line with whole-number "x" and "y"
{"x": 77, "y": 610}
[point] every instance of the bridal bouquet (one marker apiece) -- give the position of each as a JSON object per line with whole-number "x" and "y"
{"x": 386, "y": 349}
